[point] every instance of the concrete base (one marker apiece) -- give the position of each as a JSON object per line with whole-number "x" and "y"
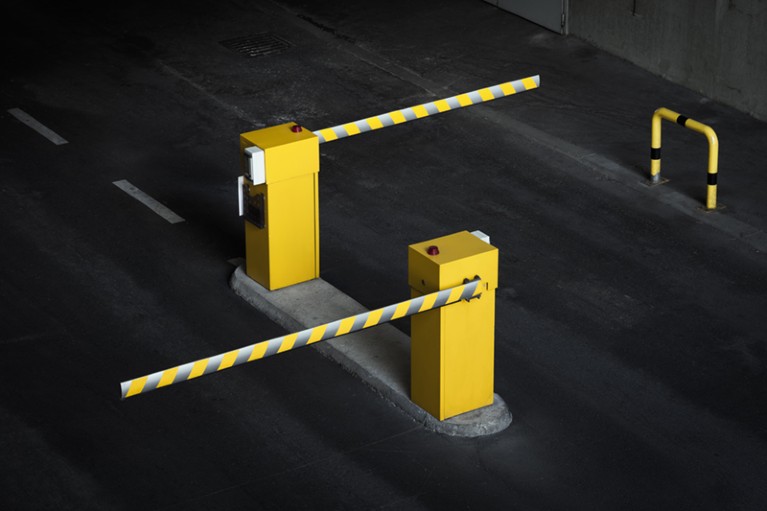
{"x": 380, "y": 356}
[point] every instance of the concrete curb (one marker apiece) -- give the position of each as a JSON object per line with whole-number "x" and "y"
{"x": 379, "y": 356}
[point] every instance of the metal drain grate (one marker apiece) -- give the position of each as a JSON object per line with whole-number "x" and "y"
{"x": 257, "y": 45}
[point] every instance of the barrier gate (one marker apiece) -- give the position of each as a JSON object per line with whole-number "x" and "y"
{"x": 278, "y": 188}
{"x": 452, "y": 329}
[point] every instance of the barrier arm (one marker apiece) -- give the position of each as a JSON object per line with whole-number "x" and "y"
{"x": 424, "y": 110}
{"x": 263, "y": 349}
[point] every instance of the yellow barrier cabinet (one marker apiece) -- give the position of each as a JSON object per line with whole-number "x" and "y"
{"x": 452, "y": 348}
{"x": 279, "y": 201}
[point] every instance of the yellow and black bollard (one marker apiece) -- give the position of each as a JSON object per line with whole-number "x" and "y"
{"x": 713, "y": 150}
{"x": 452, "y": 348}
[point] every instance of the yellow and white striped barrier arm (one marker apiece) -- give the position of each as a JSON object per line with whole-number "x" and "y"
{"x": 264, "y": 349}
{"x": 436, "y": 107}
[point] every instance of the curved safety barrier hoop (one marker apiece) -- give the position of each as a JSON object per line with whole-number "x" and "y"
{"x": 713, "y": 149}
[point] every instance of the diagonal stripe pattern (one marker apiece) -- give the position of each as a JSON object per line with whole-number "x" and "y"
{"x": 426, "y": 109}
{"x": 270, "y": 347}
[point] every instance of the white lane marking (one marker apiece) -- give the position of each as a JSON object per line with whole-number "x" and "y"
{"x": 148, "y": 201}
{"x": 35, "y": 125}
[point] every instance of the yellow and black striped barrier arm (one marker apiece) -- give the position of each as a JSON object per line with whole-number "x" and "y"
{"x": 435, "y": 107}
{"x": 264, "y": 349}
{"x": 699, "y": 127}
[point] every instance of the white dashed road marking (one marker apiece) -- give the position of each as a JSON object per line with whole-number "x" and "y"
{"x": 35, "y": 125}
{"x": 148, "y": 201}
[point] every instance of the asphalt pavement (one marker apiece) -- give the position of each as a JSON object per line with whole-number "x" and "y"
{"x": 630, "y": 344}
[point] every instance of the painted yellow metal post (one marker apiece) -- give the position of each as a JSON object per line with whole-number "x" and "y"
{"x": 279, "y": 200}
{"x": 713, "y": 149}
{"x": 452, "y": 348}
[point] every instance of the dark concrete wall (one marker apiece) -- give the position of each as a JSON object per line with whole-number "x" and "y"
{"x": 716, "y": 47}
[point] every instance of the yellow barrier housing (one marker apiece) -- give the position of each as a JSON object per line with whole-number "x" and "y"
{"x": 713, "y": 149}
{"x": 452, "y": 348}
{"x": 279, "y": 200}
